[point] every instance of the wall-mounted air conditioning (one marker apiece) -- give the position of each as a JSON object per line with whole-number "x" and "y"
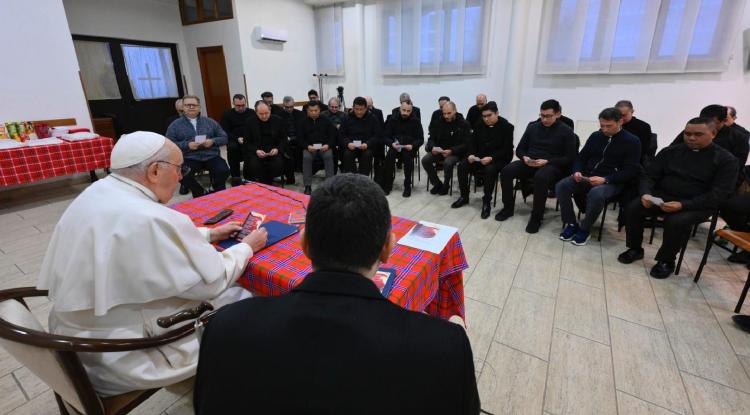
{"x": 271, "y": 35}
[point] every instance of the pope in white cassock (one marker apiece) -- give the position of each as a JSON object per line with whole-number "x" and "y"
{"x": 119, "y": 259}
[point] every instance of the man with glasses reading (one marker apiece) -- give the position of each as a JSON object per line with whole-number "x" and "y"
{"x": 199, "y": 138}
{"x": 119, "y": 259}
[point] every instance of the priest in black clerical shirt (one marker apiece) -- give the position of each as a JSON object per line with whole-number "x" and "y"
{"x": 490, "y": 148}
{"x": 737, "y": 145}
{"x": 447, "y": 143}
{"x": 403, "y": 136}
{"x": 475, "y": 112}
{"x": 689, "y": 179}
{"x": 233, "y": 122}
{"x": 265, "y": 138}
{"x": 546, "y": 151}
{"x": 360, "y": 137}
{"x": 637, "y": 127}
{"x": 405, "y": 97}
{"x": 292, "y": 117}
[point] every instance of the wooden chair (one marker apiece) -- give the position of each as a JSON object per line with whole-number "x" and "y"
{"x": 739, "y": 239}
{"x": 54, "y": 359}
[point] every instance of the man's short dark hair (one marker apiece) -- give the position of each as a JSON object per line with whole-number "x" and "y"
{"x": 312, "y": 92}
{"x": 490, "y": 106}
{"x": 732, "y": 111}
{"x": 714, "y": 111}
{"x": 610, "y": 114}
{"x": 624, "y": 103}
{"x": 266, "y": 94}
{"x": 708, "y": 121}
{"x": 238, "y": 96}
{"x": 551, "y": 104}
{"x": 313, "y": 103}
{"x": 361, "y": 101}
{"x": 347, "y": 224}
{"x": 444, "y": 98}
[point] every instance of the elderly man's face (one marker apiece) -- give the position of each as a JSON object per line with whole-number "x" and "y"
{"x": 263, "y": 112}
{"x": 179, "y": 107}
{"x": 192, "y": 107}
{"x": 164, "y": 175}
{"x": 240, "y": 105}
{"x": 333, "y": 106}
{"x": 360, "y": 110}
{"x": 481, "y": 101}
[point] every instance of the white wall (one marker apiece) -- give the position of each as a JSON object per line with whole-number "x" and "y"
{"x": 284, "y": 69}
{"x": 147, "y": 20}
{"x": 39, "y": 67}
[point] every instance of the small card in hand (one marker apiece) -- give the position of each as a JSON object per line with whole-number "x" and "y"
{"x": 384, "y": 280}
{"x": 297, "y": 217}
{"x": 252, "y": 222}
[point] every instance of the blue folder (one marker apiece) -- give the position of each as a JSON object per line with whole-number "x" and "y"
{"x": 276, "y": 232}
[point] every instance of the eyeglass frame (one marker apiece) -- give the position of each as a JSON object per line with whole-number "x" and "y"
{"x": 183, "y": 169}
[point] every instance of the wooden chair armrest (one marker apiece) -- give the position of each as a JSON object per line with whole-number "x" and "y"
{"x": 184, "y": 315}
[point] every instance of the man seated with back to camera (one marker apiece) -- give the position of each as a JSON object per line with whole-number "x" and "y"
{"x": 334, "y": 340}
{"x": 360, "y": 126}
{"x": 447, "y": 143}
{"x": 546, "y": 151}
{"x": 609, "y": 160}
{"x": 490, "y": 148}
{"x": 691, "y": 178}
{"x": 265, "y": 138}
{"x": 403, "y": 136}
{"x": 318, "y": 136}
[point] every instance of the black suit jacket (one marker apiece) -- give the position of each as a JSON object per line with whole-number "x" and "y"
{"x": 333, "y": 345}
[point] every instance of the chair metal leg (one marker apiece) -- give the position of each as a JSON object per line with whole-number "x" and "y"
{"x": 709, "y": 245}
{"x": 695, "y": 229}
{"x": 601, "y": 224}
{"x": 653, "y": 229}
{"x": 743, "y": 295}
{"x": 679, "y": 261}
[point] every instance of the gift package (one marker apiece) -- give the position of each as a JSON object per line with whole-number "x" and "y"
{"x": 22, "y": 131}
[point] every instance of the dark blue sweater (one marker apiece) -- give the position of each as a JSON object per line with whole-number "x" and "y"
{"x": 616, "y": 159}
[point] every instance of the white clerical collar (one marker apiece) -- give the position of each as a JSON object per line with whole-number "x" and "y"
{"x": 145, "y": 190}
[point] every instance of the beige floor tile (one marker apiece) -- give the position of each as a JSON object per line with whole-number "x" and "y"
{"x": 630, "y": 405}
{"x": 526, "y": 323}
{"x": 701, "y": 348}
{"x": 539, "y": 274}
{"x": 490, "y": 282}
{"x": 30, "y": 383}
{"x": 481, "y": 321}
{"x": 587, "y": 271}
{"x": 682, "y": 294}
{"x": 580, "y": 378}
{"x": 609, "y": 260}
{"x": 720, "y": 292}
{"x": 631, "y": 298}
{"x": 709, "y": 398}
{"x": 506, "y": 247}
{"x": 184, "y": 406}
{"x": 544, "y": 244}
{"x": 12, "y": 397}
{"x": 483, "y": 229}
{"x": 459, "y": 218}
{"x": 41, "y": 405}
{"x": 745, "y": 360}
{"x": 512, "y": 382}
{"x": 9, "y": 271}
{"x": 7, "y": 363}
{"x": 473, "y": 250}
{"x": 645, "y": 367}
{"x": 582, "y": 310}
{"x": 164, "y": 398}
{"x": 10, "y": 235}
{"x": 738, "y": 338}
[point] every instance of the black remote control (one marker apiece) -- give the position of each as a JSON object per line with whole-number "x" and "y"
{"x": 219, "y": 217}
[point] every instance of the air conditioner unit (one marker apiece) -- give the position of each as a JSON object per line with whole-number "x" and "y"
{"x": 271, "y": 35}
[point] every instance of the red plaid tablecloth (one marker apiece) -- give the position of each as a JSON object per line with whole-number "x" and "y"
{"x": 31, "y": 164}
{"x": 424, "y": 281}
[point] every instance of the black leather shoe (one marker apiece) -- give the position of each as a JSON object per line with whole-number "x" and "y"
{"x": 630, "y": 256}
{"x": 533, "y": 226}
{"x": 407, "y": 191}
{"x": 436, "y": 189}
{"x": 183, "y": 189}
{"x": 444, "y": 190}
{"x": 460, "y": 202}
{"x": 503, "y": 215}
{"x": 486, "y": 208}
{"x": 308, "y": 190}
{"x": 387, "y": 191}
{"x": 662, "y": 270}
{"x": 742, "y": 322}
{"x": 742, "y": 257}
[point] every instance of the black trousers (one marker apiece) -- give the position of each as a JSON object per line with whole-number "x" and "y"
{"x": 544, "y": 178}
{"x": 234, "y": 156}
{"x": 388, "y": 171}
{"x": 292, "y": 158}
{"x": 489, "y": 172}
{"x": 736, "y": 212}
{"x": 677, "y": 228}
{"x": 428, "y": 162}
{"x": 364, "y": 157}
{"x": 265, "y": 169}
{"x": 217, "y": 169}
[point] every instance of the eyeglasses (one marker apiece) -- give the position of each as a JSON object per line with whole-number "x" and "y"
{"x": 183, "y": 169}
{"x": 191, "y": 105}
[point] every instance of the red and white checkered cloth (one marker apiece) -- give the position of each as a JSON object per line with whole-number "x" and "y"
{"x": 31, "y": 164}
{"x": 424, "y": 281}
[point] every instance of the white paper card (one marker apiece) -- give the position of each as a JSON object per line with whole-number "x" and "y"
{"x": 655, "y": 200}
{"x": 438, "y": 149}
{"x": 475, "y": 158}
{"x": 357, "y": 143}
{"x": 317, "y": 146}
{"x": 200, "y": 139}
{"x": 427, "y": 236}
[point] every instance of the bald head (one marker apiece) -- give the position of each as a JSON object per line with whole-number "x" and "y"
{"x": 481, "y": 100}
{"x": 369, "y": 102}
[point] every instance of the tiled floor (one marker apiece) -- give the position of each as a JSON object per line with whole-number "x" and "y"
{"x": 555, "y": 329}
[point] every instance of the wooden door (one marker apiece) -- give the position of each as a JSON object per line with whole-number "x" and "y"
{"x": 215, "y": 84}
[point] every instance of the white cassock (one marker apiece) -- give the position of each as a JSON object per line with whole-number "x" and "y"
{"x": 117, "y": 261}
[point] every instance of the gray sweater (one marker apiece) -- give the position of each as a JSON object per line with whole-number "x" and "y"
{"x": 181, "y": 132}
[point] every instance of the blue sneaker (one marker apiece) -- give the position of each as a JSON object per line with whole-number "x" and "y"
{"x": 580, "y": 238}
{"x": 569, "y": 231}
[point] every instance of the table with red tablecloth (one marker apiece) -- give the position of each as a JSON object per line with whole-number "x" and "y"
{"x": 424, "y": 281}
{"x": 34, "y": 163}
